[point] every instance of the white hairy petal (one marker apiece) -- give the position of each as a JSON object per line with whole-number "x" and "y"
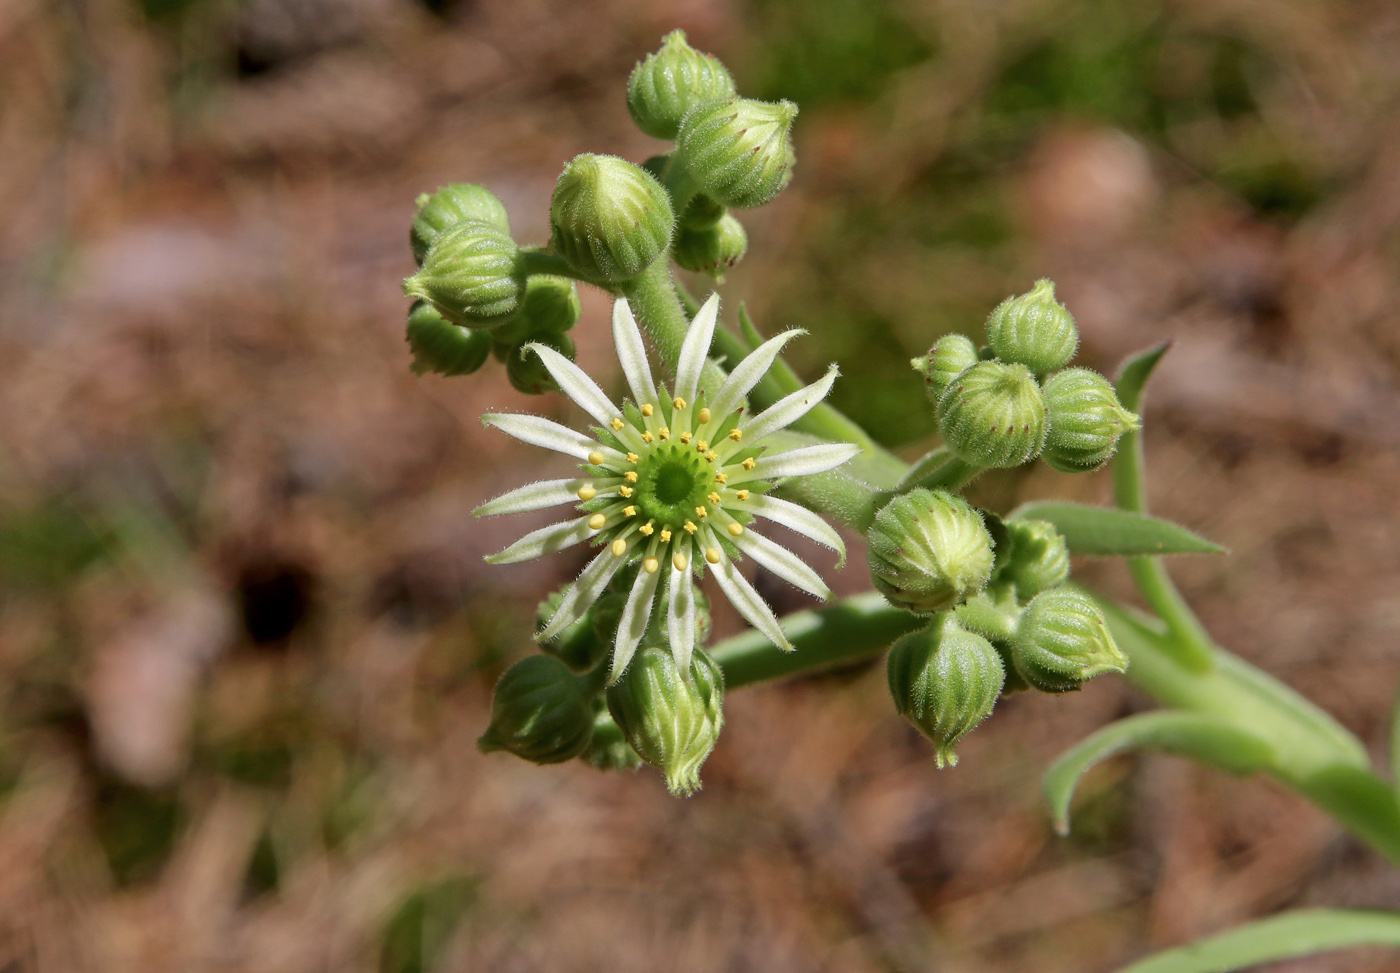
{"x": 796, "y": 517}
{"x": 582, "y": 593}
{"x": 680, "y": 617}
{"x": 538, "y": 431}
{"x": 632, "y": 353}
{"x": 574, "y": 383}
{"x": 532, "y": 496}
{"x": 803, "y": 461}
{"x": 634, "y": 621}
{"x": 742, "y": 596}
{"x": 749, "y": 373}
{"x": 783, "y": 563}
{"x": 695, "y": 348}
{"x": 546, "y": 540}
{"x": 788, "y": 409}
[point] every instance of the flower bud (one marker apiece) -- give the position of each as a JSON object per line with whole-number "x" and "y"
{"x": 1038, "y": 560}
{"x": 1062, "y": 639}
{"x": 667, "y": 84}
{"x": 576, "y": 646}
{"x": 993, "y": 415}
{"x": 1086, "y": 420}
{"x": 713, "y": 250}
{"x": 1034, "y": 330}
{"x": 526, "y": 370}
{"x": 610, "y": 219}
{"x": 609, "y": 750}
{"x": 458, "y": 203}
{"x": 549, "y": 304}
{"x": 945, "y": 681}
{"x": 672, "y": 720}
{"x": 440, "y": 346}
{"x": 469, "y": 275}
{"x": 539, "y": 712}
{"x": 738, "y": 150}
{"x": 928, "y": 551}
{"x": 949, "y": 357}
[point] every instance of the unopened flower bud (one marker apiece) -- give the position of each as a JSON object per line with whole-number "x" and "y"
{"x": 738, "y": 150}
{"x": 1034, "y": 330}
{"x": 712, "y": 250}
{"x": 526, "y": 370}
{"x": 609, "y": 750}
{"x": 469, "y": 275}
{"x": 610, "y": 218}
{"x": 929, "y": 550}
{"x": 1038, "y": 560}
{"x": 458, "y": 203}
{"x": 1062, "y": 639}
{"x": 949, "y": 357}
{"x": 672, "y": 719}
{"x": 945, "y": 681}
{"x": 993, "y": 415}
{"x": 440, "y": 346}
{"x": 577, "y": 645}
{"x": 1086, "y": 420}
{"x": 539, "y": 712}
{"x": 667, "y": 84}
{"x": 550, "y": 304}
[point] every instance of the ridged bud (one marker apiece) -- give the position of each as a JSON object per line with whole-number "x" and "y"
{"x": 667, "y": 84}
{"x": 458, "y": 203}
{"x": 609, "y": 750}
{"x": 993, "y": 415}
{"x": 739, "y": 150}
{"x": 1034, "y": 330}
{"x": 469, "y": 275}
{"x": 949, "y": 357}
{"x": 539, "y": 712}
{"x": 440, "y": 346}
{"x": 1038, "y": 560}
{"x": 526, "y": 370}
{"x": 1086, "y": 420}
{"x": 1062, "y": 639}
{"x": 929, "y": 550}
{"x": 550, "y": 304}
{"x": 945, "y": 681}
{"x": 714, "y": 250}
{"x": 610, "y": 219}
{"x": 671, "y": 719}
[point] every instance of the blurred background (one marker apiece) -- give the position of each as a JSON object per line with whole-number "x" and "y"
{"x": 246, "y": 636}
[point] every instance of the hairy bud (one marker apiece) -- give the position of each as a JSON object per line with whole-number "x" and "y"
{"x": 460, "y": 202}
{"x": 672, "y": 719}
{"x": 469, "y": 275}
{"x": 1062, "y": 639}
{"x": 739, "y": 150}
{"x": 667, "y": 84}
{"x": 713, "y": 250}
{"x": 945, "y": 681}
{"x": 610, "y": 218}
{"x": 993, "y": 415}
{"x": 1086, "y": 420}
{"x": 539, "y": 712}
{"x": 928, "y": 551}
{"x": 1038, "y": 560}
{"x": 1034, "y": 330}
{"x": 440, "y": 346}
{"x": 526, "y": 370}
{"x": 949, "y": 357}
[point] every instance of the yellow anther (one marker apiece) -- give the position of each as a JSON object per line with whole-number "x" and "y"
{"x": 586, "y": 492}
{"x": 651, "y": 564}
{"x": 712, "y": 497}
{"x": 663, "y": 433}
{"x": 685, "y": 438}
{"x": 690, "y": 528}
{"x": 647, "y": 437}
{"x": 596, "y": 458}
{"x": 646, "y": 529}
{"x": 648, "y": 409}
{"x": 712, "y": 555}
{"x": 711, "y": 456}
{"x": 704, "y": 415}
{"x": 665, "y": 535}
{"x": 629, "y": 511}
{"x": 630, "y": 476}
{"x": 721, "y": 478}
{"x": 702, "y": 445}
{"x": 597, "y": 521}
{"x": 701, "y": 512}
{"x": 626, "y": 491}
{"x": 617, "y": 425}
{"x": 736, "y": 434}
{"x": 748, "y": 464}
{"x": 678, "y": 402}
{"x": 619, "y": 547}
{"x": 743, "y": 494}
{"x": 680, "y": 562}
{"x": 632, "y": 457}
{"x": 735, "y": 530}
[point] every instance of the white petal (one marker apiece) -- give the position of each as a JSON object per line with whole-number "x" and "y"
{"x": 634, "y": 621}
{"x": 804, "y": 461}
{"x": 797, "y": 517}
{"x": 532, "y": 496}
{"x": 576, "y": 384}
{"x": 632, "y": 352}
{"x": 783, "y": 563}
{"x": 749, "y": 372}
{"x": 788, "y": 409}
{"x": 538, "y": 431}
{"x": 546, "y": 540}
{"x": 695, "y": 347}
{"x": 680, "y": 617}
{"x": 582, "y": 593}
{"x": 742, "y": 596}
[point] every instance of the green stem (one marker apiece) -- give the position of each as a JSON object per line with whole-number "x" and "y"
{"x": 535, "y": 260}
{"x": 940, "y": 470}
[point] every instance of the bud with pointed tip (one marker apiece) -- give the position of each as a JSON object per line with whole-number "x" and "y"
{"x": 929, "y": 550}
{"x": 1034, "y": 330}
{"x": 440, "y": 211}
{"x": 739, "y": 151}
{"x": 993, "y": 415}
{"x": 610, "y": 218}
{"x": 945, "y": 680}
{"x": 1086, "y": 420}
{"x": 526, "y": 370}
{"x": 671, "y": 719}
{"x": 440, "y": 346}
{"x": 1039, "y": 558}
{"x": 1062, "y": 639}
{"x": 470, "y": 276}
{"x": 949, "y": 357}
{"x": 714, "y": 250}
{"x": 539, "y": 712}
{"x": 667, "y": 84}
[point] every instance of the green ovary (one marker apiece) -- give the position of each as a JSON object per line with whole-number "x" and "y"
{"x": 671, "y": 482}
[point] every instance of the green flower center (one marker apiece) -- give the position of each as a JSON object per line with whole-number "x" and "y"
{"x": 672, "y": 480}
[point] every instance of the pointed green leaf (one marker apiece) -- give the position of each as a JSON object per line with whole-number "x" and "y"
{"x": 1292, "y": 934}
{"x": 1109, "y": 531}
{"x": 1135, "y": 373}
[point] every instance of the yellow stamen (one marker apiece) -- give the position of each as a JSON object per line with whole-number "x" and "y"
{"x": 736, "y": 434}
{"x": 617, "y": 425}
{"x": 678, "y": 402}
{"x": 712, "y": 497}
{"x": 702, "y": 445}
{"x": 626, "y": 491}
{"x": 596, "y": 458}
{"x": 663, "y": 433}
{"x": 597, "y": 521}
{"x": 690, "y": 528}
{"x": 665, "y": 535}
{"x": 647, "y": 410}
{"x": 619, "y": 547}
{"x": 586, "y": 492}
{"x": 711, "y": 456}
{"x": 736, "y": 529}
{"x": 629, "y": 510}
{"x": 630, "y": 476}
{"x": 712, "y": 555}
{"x": 651, "y": 564}
{"x": 632, "y": 457}
{"x": 743, "y": 494}
{"x": 704, "y": 415}
{"x": 680, "y": 562}
{"x": 647, "y": 437}
{"x": 685, "y": 438}
{"x": 721, "y": 478}
{"x": 748, "y": 464}
{"x": 646, "y": 529}
{"x": 701, "y": 512}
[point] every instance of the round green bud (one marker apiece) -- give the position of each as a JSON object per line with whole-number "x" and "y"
{"x": 929, "y": 550}
{"x": 1038, "y": 559}
{"x": 539, "y": 712}
{"x": 1062, "y": 639}
{"x": 458, "y": 203}
{"x": 671, "y": 719}
{"x": 1034, "y": 330}
{"x": 739, "y": 150}
{"x": 993, "y": 415}
{"x": 1086, "y": 420}
{"x": 469, "y": 275}
{"x": 526, "y": 370}
{"x": 609, "y": 750}
{"x": 702, "y": 212}
{"x": 576, "y": 646}
{"x": 667, "y": 84}
{"x": 440, "y": 346}
{"x": 945, "y": 681}
{"x": 950, "y": 356}
{"x": 714, "y": 250}
{"x": 610, "y": 218}
{"x": 550, "y": 304}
